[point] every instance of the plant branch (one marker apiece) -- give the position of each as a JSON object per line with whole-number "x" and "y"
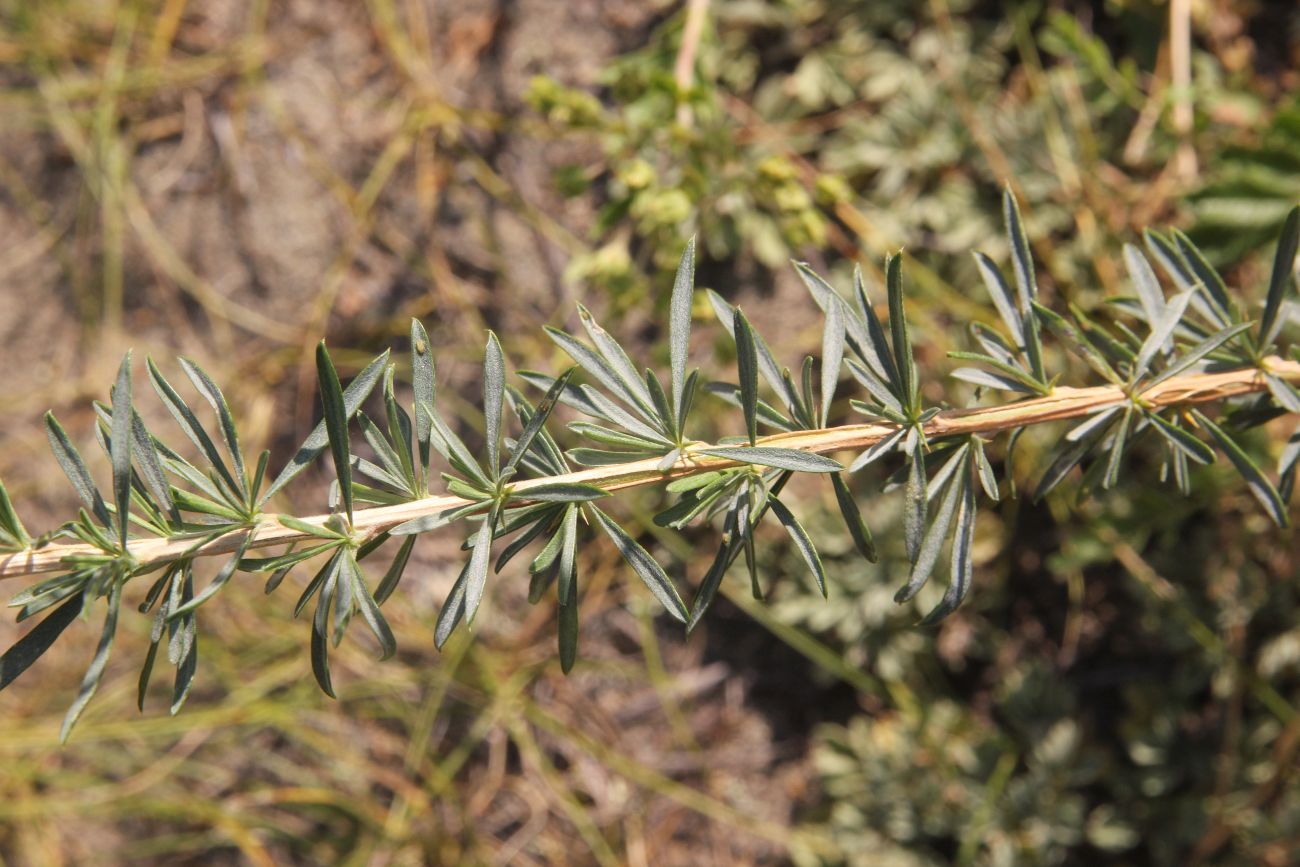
{"x": 1063, "y": 403}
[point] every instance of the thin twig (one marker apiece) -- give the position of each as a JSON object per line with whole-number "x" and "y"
{"x": 1063, "y": 403}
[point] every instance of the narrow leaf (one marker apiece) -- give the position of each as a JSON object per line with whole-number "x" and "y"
{"x": 212, "y": 394}
{"x": 562, "y": 492}
{"x": 353, "y": 396}
{"x": 832, "y": 356}
{"x": 781, "y": 459}
{"x": 95, "y": 672}
{"x": 422, "y": 380}
{"x": 75, "y": 469}
{"x": 26, "y": 650}
{"x": 476, "y": 572}
{"x": 1283, "y": 268}
{"x": 747, "y": 369}
{"x": 852, "y": 515}
{"x": 679, "y": 323}
{"x": 644, "y": 565}
{"x": 1258, "y": 483}
{"x": 120, "y": 450}
{"x": 494, "y": 395}
{"x": 802, "y": 541}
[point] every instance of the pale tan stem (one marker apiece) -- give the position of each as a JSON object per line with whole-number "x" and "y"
{"x": 1063, "y": 403}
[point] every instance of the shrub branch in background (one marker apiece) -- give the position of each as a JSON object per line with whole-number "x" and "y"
{"x": 1163, "y": 362}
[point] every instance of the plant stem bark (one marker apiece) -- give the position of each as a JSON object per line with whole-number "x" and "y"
{"x": 1063, "y": 403}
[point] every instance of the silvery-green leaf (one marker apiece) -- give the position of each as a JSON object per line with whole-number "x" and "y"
{"x": 878, "y": 450}
{"x": 606, "y": 436}
{"x": 570, "y": 395}
{"x": 669, "y": 460}
{"x": 1194, "y": 355}
{"x": 914, "y": 510}
{"x": 902, "y": 344}
{"x": 353, "y": 396}
{"x": 1150, "y": 295}
{"x": 75, "y": 469}
{"x": 425, "y": 523}
{"x": 538, "y": 527}
{"x": 953, "y": 458}
{"x": 1117, "y": 449}
{"x": 1094, "y": 423}
{"x": 212, "y": 394}
{"x": 31, "y": 646}
{"x": 880, "y": 390}
{"x": 747, "y": 370}
{"x": 1162, "y": 329}
{"x": 95, "y": 672}
{"x": 992, "y": 379}
{"x": 1003, "y": 296}
{"x": 568, "y": 553}
{"x": 802, "y": 541}
{"x": 494, "y": 395}
{"x": 663, "y": 409}
{"x": 422, "y": 379}
{"x": 568, "y": 628}
{"x": 476, "y": 572}
{"x": 220, "y": 579}
{"x": 189, "y": 423}
{"x": 1183, "y": 440}
{"x": 1076, "y": 341}
{"x": 616, "y": 358}
{"x": 615, "y": 413}
{"x": 336, "y": 423}
{"x": 1283, "y": 392}
{"x": 599, "y": 458}
{"x": 120, "y": 448}
{"x": 563, "y": 492}
{"x": 679, "y": 323}
{"x": 320, "y": 662}
{"x": 767, "y": 414}
{"x": 988, "y": 480}
{"x": 453, "y": 609}
{"x": 538, "y": 419}
{"x": 453, "y": 449}
{"x": 963, "y": 540}
{"x": 708, "y": 588}
{"x": 399, "y": 431}
{"x": 644, "y": 565}
{"x": 781, "y": 459}
{"x": 14, "y": 533}
{"x": 369, "y": 608}
{"x": 832, "y": 355}
{"x": 1258, "y": 483}
{"x": 1026, "y": 284}
{"x": 1284, "y": 261}
{"x": 932, "y": 542}
{"x": 766, "y": 363}
{"x": 852, "y": 515}
{"x": 1204, "y": 272}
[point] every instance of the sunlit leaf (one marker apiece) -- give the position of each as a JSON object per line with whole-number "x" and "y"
{"x": 644, "y": 565}
{"x": 781, "y": 459}
{"x": 679, "y": 323}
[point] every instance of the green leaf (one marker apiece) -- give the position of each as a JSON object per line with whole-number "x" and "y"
{"x": 1204, "y": 272}
{"x": 423, "y": 381}
{"x": 309, "y": 529}
{"x": 476, "y": 572}
{"x": 598, "y": 369}
{"x": 13, "y": 529}
{"x": 600, "y": 458}
{"x": 120, "y": 450}
{"x": 747, "y": 369}
{"x": 353, "y": 396}
{"x": 453, "y": 609}
{"x": 75, "y": 469}
{"x": 538, "y": 419}
{"x": 1117, "y": 449}
{"x": 781, "y": 459}
{"x": 644, "y": 565}
{"x": 568, "y": 553}
{"x": 879, "y": 449}
{"x": 33, "y": 645}
{"x": 766, "y": 363}
{"x": 399, "y": 431}
{"x": 988, "y": 480}
{"x": 852, "y": 515}
{"x": 1283, "y": 392}
{"x": 1283, "y": 268}
{"x": 1162, "y": 329}
{"x": 832, "y": 356}
{"x": 394, "y": 574}
{"x": 898, "y": 330}
{"x": 914, "y": 511}
{"x": 568, "y": 627}
{"x": 212, "y": 394}
{"x": 494, "y": 395}
{"x": 189, "y": 423}
{"x": 1259, "y": 485}
{"x": 425, "y": 523}
{"x": 932, "y": 542}
{"x": 562, "y": 492}
{"x": 802, "y": 541}
{"x": 1183, "y": 440}
{"x": 708, "y": 588}
{"x": 663, "y": 409}
{"x": 1002, "y": 295}
{"x": 1077, "y": 342}
{"x": 320, "y": 648}
{"x": 1026, "y": 284}
{"x": 1198, "y": 352}
{"x": 95, "y": 673}
{"x": 679, "y": 323}
{"x": 369, "y": 608}
{"x": 1150, "y": 295}
{"x": 962, "y": 568}
{"x": 616, "y": 358}
{"x": 220, "y": 580}
{"x": 454, "y": 450}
